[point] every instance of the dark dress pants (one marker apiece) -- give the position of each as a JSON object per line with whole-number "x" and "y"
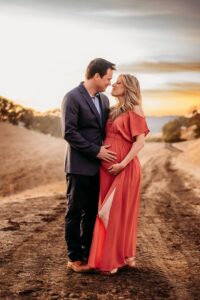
{"x": 82, "y": 205}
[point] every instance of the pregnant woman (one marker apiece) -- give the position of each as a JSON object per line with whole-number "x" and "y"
{"x": 115, "y": 232}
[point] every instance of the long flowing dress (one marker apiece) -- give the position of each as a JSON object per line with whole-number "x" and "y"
{"x": 115, "y": 230}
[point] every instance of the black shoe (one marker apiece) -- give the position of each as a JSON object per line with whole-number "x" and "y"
{"x": 85, "y": 260}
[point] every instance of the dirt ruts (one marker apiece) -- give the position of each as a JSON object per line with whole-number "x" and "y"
{"x": 32, "y": 248}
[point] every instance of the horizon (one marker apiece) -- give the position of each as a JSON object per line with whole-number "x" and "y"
{"x": 59, "y": 109}
{"x": 47, "y": 46}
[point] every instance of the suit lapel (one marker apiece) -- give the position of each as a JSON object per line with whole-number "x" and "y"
{"x": 103, "y": 110}
{"x": 89, "y": 102}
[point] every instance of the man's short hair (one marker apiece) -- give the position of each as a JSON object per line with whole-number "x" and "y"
{"x": 100, "y": 66}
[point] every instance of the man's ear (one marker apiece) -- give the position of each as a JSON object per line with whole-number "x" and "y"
{"x": 96, "y": 76}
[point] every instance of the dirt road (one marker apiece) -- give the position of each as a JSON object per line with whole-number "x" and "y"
{"x": 32, "y": 248}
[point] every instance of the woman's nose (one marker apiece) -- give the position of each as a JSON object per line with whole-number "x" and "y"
{"x": 113, "y": 85}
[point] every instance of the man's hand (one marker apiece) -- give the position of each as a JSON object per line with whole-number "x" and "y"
{"x": 115, "y": 169}
{"x": 106, "y": 154}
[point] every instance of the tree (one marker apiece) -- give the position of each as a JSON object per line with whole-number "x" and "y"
{"x": 172, "y": 130}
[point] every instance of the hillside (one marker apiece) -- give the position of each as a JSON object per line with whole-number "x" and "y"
{"x": 32, "y": 246}
{"x": 29, "y": 159}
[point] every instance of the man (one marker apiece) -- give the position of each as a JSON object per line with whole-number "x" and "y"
{"x": 84, "y": 114}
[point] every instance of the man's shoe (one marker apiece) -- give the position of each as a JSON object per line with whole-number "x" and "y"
{"x": 78, "y": 267}
{"x": 85, "y": 260}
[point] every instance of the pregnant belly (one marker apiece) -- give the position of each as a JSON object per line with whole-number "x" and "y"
{"x": 119, "y": 147}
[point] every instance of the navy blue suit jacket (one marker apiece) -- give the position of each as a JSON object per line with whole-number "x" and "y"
{"x": 83, "y": 130}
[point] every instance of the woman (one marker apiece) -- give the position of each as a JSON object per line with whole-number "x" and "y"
{"x": 115, "y": 232}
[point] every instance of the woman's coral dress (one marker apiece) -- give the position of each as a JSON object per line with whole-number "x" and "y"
{"x": 115, "y": 230}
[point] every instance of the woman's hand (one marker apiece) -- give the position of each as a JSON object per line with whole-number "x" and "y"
{"x": 115, "y": 169}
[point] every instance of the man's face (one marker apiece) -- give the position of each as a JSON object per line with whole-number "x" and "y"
{"x": 103, "y": 82}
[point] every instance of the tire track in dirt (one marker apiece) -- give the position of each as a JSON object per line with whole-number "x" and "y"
{"x": 25, "y": 260}
{"x": 35, "y": 269}
{"x": 167, "y": 208}
{"x": 35, "y": 264}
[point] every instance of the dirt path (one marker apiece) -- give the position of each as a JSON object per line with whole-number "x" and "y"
{"x": 169, "y": 225}
{"x": 32, "y": 249}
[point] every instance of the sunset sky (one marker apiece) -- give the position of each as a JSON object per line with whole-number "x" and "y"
{"x": 46, "y": 45}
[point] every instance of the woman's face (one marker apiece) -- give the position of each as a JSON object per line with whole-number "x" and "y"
{"x": 118, "y": 88}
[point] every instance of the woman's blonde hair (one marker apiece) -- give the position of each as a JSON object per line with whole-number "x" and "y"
{"x": 132, "y": 96}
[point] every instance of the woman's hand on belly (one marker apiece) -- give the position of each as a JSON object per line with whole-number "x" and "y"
{"x": 115, "y": 169}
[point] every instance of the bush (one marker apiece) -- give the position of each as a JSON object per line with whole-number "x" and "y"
{"x": 195, "y": 120}
{"x": 48, "y": 123}
{"x": 172, "y": 130}
{"x": 14, "y": 113}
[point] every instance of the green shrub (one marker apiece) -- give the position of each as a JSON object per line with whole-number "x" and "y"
{"x": 14, "y": 113}
{"x": 48, "y": 123}
{"x": 195, "y": 120}
{"x": 172, "y": 130}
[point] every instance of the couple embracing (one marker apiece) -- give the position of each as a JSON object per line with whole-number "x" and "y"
{"x": 102, "y": 170}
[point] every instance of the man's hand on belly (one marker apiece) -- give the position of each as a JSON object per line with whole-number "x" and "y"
{"x": 105, "y": 154}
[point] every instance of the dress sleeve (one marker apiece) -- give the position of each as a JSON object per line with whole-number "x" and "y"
{"x": 137, "y": 124}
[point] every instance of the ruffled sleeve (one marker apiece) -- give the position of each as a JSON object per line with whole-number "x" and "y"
{"x": 137, "y": 124}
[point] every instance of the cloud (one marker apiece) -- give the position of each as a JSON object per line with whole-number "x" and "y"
{"x": 172, "y": 92}
{"x": 193, "y": 87}
{"x": 116, "y": 7}
{"x": 164, "y": 102}
{"x": 168, "y": 18}
{"x": 160, "y": 67}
